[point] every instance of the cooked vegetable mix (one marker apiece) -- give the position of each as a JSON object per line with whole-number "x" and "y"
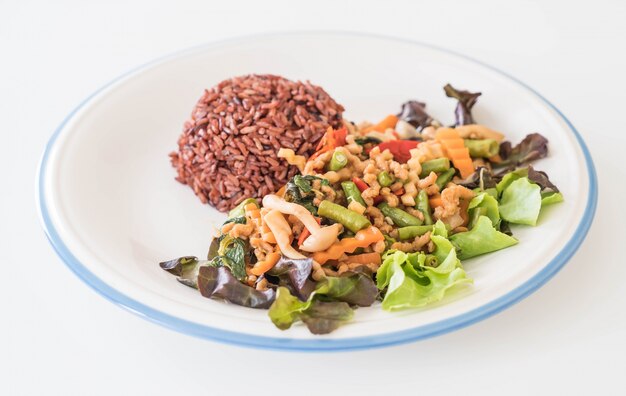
{"x": 380, "y": 212}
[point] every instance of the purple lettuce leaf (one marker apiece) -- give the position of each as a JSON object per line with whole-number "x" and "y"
{"x": 466, "y": 100}
{"x": 219, "y": 282}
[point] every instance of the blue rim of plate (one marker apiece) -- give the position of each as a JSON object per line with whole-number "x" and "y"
{"x": 318, "y": 345}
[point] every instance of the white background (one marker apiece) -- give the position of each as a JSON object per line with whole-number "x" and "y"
{"x": 57, "y": 336}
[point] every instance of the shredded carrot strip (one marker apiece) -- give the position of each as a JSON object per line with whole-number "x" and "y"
{"x": 365, "y": 258}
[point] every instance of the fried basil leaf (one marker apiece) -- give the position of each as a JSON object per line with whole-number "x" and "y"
{"x": 236, "y": 220}
{"x": 467, "y": 100}
{"x": 414, "y": 113}
{"x": 219, "y": 282}
{"x": 365, "y": 140}
{"x": 321, "y": 317}
{"x": 232, "y": 253}
{"x": 294, "y": 275}
{"x": 300, "y": 190}
{"x": 533, "y": 147}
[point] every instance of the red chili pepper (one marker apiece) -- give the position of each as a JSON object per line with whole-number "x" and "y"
{"x": 306, "y": 233}
{"x": 399, "y": 148}
{"x": 399, "y": 192}
{"x": 360, "y": 184}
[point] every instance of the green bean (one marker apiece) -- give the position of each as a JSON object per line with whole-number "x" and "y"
{"x": 436, "y": 165}
{"x": 444, "y": 178}
{"x": 238, "y": 210}
{"x": 338, "y": 161}
{"x": 423, "y": 206}
{"x": 352, "y": 193}
{"x": 482, "y": 148}
{"x": 385, "y": 179}
{"x": 350, "y": 219}
{"x": 399, "y": 216}
{"x": 411, "y": 232}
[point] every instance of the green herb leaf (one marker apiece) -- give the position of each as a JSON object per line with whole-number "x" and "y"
{"x": 300, "y": 190}
{"x": 236, "y": 220}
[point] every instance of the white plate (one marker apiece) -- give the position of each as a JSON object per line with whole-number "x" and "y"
{"x": 112, "y": 210}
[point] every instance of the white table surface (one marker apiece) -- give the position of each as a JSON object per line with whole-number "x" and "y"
{"x": 57, "y": 336}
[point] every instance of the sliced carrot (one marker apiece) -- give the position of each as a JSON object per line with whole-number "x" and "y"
{"x": 281, "y": 191}
{"x": 365, "y": 258}
{"x": 455, "y": 149}
{"x": 462, "y": 152}
{"x": 454, "y": 144}
{"x": 263, "y": 266}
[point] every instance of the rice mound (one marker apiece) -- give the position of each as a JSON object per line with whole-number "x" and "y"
{"x": 228, "y": 148}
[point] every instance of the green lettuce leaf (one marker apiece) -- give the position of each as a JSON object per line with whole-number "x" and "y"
{"x": 481, "y": 239}
{"x": 411, "y": 283}
{"x": 484, "y": 204}
{"x": 329, "y": 305}
{"x": 321, "y": 317}
{"x": 551, "y": 198}
{"x": 520, "y": 202}
{"x": 510, "y": 178}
